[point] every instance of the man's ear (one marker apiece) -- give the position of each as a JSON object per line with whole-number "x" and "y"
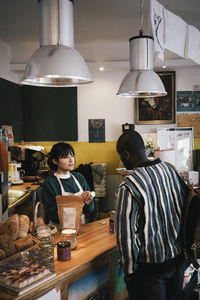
{"x": 126, "y": 155}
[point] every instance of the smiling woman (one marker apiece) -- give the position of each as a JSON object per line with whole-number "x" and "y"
{"x": 64, "y": 182}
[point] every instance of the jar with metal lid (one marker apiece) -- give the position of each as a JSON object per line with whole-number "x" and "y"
{"x": 63, "y": 250}
{"x": 70, "y": 236}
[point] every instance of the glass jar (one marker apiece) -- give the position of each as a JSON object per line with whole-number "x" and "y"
{"x": 63, "y": 250}
{"x": 70, "y": 236}
{"x": 45, "y": 244}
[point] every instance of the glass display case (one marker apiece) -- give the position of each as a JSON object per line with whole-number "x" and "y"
{"x": 25, "y": 270}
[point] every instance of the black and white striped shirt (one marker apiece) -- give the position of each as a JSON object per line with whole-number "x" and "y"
{"x": 148, "y": 215}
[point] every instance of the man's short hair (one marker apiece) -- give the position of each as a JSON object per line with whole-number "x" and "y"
{"x": 132, "y": 142}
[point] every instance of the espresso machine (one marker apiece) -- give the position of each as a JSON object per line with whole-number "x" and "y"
{"x": 26, "y": 163}
{"x": 33, "y": 162}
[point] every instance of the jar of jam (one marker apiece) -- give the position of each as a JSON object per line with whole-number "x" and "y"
{"x": 63, "y": 250}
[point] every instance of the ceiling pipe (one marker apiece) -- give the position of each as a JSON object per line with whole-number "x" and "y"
{"x": 56, "y": 63}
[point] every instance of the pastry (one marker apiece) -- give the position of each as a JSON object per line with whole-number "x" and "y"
{"x": 23, "y": 243}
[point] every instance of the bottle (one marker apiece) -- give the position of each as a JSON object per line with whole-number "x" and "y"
{"x": 112, "y": 225}
{"x": 63, "y": 250}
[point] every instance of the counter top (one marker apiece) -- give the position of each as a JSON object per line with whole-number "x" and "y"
{"x": 26, "y": 186}
{"x": 95, "y": 243}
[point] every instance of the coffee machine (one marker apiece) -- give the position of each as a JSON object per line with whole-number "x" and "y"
{"x": 34, "y": 161}
{"x": 26, "y": 159}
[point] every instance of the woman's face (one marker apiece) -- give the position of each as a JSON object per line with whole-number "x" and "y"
{"x": 66, "y": 164}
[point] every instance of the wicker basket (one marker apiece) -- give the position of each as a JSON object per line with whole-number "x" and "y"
{"x": 39, "y": 212}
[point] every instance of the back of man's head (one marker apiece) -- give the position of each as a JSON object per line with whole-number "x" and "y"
{"x": 132, "y": 142}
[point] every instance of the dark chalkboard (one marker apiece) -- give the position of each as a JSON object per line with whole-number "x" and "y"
{"x": 49, "y": 114}
{"x": 39, "y": 113}
{"x": 11, "y": 107}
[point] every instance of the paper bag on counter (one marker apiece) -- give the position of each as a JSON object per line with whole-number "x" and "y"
{"x": 70, "y": 211}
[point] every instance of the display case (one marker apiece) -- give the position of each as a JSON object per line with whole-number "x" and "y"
{"x": 26, "y": 270}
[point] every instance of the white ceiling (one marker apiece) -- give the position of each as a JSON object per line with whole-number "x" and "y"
{"x": 95, "y": 20}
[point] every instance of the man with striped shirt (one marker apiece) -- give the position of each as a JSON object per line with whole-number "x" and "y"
{"x": 148, "y": 215}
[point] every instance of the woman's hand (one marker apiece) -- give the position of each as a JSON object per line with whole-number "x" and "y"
{"x": 86, "y": 197}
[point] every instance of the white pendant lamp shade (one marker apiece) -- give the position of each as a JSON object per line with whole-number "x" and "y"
{"x": 56, "y": 66}
{"x": 141, "y": 84}
{"x": 141, "y": 81}
{"x": 56, "y": 63}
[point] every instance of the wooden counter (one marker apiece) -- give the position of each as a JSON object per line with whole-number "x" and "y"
{"x": 95, "y": 247}
{"x": 26, "y": 186}
{"x": 31, "y": 189}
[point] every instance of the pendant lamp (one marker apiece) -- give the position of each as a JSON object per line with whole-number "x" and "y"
{"x": 56, "y": 63}
{"x": 141, "y": 81}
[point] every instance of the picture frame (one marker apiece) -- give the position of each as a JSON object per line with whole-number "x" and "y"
{"x": 158, "y": 110}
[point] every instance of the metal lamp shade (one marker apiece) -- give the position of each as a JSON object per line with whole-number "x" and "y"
{"x": 56, "y": 63}
{"x": 141, "y": 84}
{"x": 56, "y": 66}
{"x": 141, "y": 81}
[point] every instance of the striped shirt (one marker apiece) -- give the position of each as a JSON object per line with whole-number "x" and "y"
{"x": 148, "y": 215}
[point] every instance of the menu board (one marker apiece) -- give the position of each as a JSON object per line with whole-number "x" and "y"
{"x": 181, "y": 140}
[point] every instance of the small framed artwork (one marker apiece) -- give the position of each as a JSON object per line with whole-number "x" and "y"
{"x": 158, "y": 110}
{"x": 185, "y": 101}
{"x": 96, "y": 130}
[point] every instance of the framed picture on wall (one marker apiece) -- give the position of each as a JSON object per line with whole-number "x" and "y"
{"x": 96, "y": 130}
{"x": 158, "y": 110}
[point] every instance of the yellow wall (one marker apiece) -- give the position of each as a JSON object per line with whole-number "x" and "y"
{"x": 96, "y": 152}
{"x": 91, "y": 152}
{"x": 196, "y": 143}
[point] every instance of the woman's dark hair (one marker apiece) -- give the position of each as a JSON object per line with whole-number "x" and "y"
{"x": 59, "y": 150}
{"x": 132, "y": 142}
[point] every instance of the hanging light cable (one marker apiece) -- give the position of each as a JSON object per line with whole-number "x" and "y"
{"x": 141, "y": 81}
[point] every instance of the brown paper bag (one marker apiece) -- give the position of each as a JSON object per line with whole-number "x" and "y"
{"x": 70, "y": 211}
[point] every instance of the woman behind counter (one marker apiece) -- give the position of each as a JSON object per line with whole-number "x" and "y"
{"x": 61, "y": 160}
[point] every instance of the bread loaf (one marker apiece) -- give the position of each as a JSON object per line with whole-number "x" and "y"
{"x": 30, "y": 227}
{"x": 23, "y": 226}
{"x": 2, "y": 254}
{"x": 7, "y": 245}
{"x": 11, "y": 227}
{"x": 23, "y": 243}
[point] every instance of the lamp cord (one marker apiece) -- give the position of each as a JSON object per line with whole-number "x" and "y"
{"x": 141, "y": 16}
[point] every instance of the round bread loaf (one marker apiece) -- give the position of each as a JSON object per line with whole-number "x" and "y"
{"x": 11, "y": 226}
